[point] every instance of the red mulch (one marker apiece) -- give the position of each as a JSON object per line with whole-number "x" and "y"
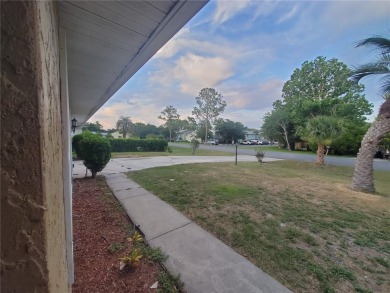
{"x": 97, "y": 223}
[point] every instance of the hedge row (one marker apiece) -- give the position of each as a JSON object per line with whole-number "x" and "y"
{"x": 138, "y": 145}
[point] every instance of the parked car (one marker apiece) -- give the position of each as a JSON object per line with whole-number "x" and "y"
{"x": 246, "y": 142}
{"x": 255, "y": 141}
{"x": 265, "y": 142}
{"x": 212, "y": 141}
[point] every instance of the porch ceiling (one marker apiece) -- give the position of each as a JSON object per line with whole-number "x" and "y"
{"x": 108, "y": 41}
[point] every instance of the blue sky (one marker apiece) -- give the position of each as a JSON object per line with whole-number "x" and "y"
{"x": 247, "y": 50}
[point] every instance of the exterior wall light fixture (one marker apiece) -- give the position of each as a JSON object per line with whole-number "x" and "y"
{"x": 74, "y": 124}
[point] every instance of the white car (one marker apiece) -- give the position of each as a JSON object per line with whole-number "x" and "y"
{"x": 212, "y": 141}
{"x": 255, "y": 141}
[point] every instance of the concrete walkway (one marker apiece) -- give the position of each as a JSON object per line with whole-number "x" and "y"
{"x": 206, "y": 264}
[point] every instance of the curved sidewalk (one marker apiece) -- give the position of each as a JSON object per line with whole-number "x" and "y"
{"x": 205, "y": 263}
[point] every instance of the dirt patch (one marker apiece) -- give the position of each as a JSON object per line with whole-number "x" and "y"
{"x": 98, "y": 222}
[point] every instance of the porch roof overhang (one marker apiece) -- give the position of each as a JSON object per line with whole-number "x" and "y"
{"x": 107, "y": 42}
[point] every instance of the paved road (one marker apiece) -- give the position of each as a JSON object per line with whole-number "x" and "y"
{"x": 379, "y": 164}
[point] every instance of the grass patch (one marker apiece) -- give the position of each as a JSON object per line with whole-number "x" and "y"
{"x": 170, "y": 283}
{"x": 299, "y": 223}
{"x": 154, "y": 254}
{"x": 173, "y": 151}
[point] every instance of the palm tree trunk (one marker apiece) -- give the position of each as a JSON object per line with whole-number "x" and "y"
{"x": 320, "y": 154}
{"x": 286, "y": 137}
{"x": 363, "y": 178}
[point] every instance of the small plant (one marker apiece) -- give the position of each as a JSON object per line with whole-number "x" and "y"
{"x": 195, "y": 145}
{"x": 132, "y": 260}
{"x": 136, "y": 238}
{"x": 260, "y": 155}
{"x": 170, "y": 283}
{"x": 114, "y": 247}
{"x": 169, "y": 150}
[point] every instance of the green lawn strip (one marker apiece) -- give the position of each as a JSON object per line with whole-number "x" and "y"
{"x": 287, "y": 218}
{"x": 175, "y": 151}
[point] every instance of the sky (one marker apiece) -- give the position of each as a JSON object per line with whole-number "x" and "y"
{"x": 247, "y": 50}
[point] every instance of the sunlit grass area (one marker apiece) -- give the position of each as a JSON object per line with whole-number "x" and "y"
{"x": 298, "y": 222}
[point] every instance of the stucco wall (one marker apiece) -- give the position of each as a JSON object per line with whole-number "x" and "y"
{"x": 33, "y": 257}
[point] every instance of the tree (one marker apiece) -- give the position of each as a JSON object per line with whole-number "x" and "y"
{"x": 321, "y": 130}
{"x": 94, "y": 127}
{"x": 210, "y": 106}
{"x": 278, "y": 125}
{"x": 142, "y": 130}
{"x": 229, "y": 131}
{"x": 187, "y": 124}
{"x": 170, "y": 116}
{"x": 323, "y": 87}
{"x": 319, "y": 88}
{"x": 201, "y": 131}
{"x": 124, "y": 125}
{"x": 363, "y": 179}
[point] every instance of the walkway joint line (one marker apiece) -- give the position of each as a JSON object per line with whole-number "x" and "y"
{"x": 168, "y": 231}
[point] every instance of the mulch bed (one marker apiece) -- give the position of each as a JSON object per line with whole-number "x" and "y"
{"x": 98, "y": 222}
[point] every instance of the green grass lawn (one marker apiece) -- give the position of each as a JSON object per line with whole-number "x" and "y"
{"x": 176, "y": 151}
{"x": 299, "y": 223}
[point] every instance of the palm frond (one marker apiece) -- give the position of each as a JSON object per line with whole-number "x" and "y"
{"x": 369, "y": 69}
{"x": 377, "y": 42}
{"x": 379, "y": 67}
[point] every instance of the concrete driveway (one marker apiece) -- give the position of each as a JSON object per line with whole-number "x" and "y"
{"x": 122, "y": 165}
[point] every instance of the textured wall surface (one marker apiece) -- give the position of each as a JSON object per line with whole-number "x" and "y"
{"x": 32, "y": 212}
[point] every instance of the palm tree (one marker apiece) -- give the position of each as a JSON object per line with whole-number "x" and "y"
{"x": 124, "y": 125}
{"x": 363, "y": 179}
{"x": 321, "y": 130}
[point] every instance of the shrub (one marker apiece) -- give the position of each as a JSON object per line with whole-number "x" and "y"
{"x": 136, "y": 145}
{"x": 76, "y": 144}
{"x": 96, "y": 153}
{"x": 195, "y": 145}
{"x": 260, "y": 155}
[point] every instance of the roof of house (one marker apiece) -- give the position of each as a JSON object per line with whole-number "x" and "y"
{"x": 107, "y": 42}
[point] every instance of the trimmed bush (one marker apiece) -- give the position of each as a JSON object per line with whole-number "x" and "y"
{"x": 96, "y": 153}
{"x": 138, "y": 145}
{"x": 76, "y": 144}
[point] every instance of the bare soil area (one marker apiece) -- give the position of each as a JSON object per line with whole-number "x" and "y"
{"x": 101, "y": 229}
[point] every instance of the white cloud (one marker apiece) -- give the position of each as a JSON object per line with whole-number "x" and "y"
{"x": 253, "y": 96}
{"x": 265, "y": 8}
{"x": 191, "y": 73}
{"x": 226, "y": 9}
{"x": 138, "y": 111}
{"x": 195, "y": 72}
{"x": 174, "y": 45}
{"x": 191, "y": 42}
{"x": 288, "y": 15}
